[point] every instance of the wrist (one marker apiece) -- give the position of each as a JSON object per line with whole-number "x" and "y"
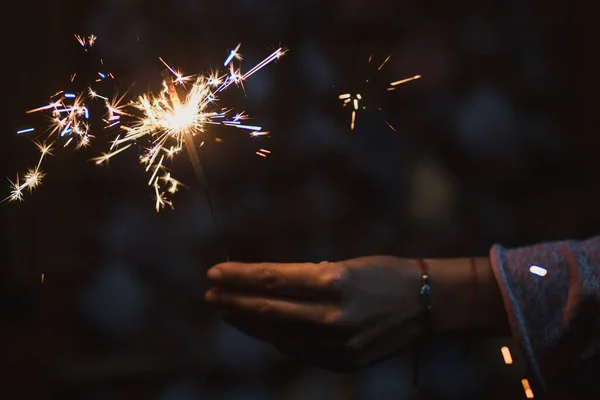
{"x": 464, "y": 298}
{"x": 451, "y": 285}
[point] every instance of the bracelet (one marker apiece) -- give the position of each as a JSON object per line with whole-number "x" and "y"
{"x": 425, "y": 290}
{"x": 424, "y": 293}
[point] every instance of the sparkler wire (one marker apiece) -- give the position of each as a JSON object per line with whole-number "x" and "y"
{"x": 195, "y": 159}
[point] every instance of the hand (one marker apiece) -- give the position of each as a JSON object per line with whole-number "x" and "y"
{"x": 339, "y": 315}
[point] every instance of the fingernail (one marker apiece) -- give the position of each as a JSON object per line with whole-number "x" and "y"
{"x": 214, "y": 274}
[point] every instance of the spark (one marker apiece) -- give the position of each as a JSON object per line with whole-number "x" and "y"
{"x": 115, "y": 142}
{"x": 180, "y": 79}
{"x": 16, "y": 193}
{"x": 506, "y": 355}
{"x": 44, "y": 108}
{"x": 42, "y": 279}
{"x": 85, "y": 42}
{"x": 32, "y": 178}
{"x": 247, "y": 127}
{"x": 357, "y": 99}
{"x": 172, "y": 183}
{"x": 44, "y": 149}
{"x": 107, "y": 156}
{"x": 93, "y": 94}
{"x": 24, "y": 131}
{"x": 391, "y": 126}
{"x": 84, "y": 142}
{"x": 115, "y": 109}
{"x": 80, "y": 39}
{"x": 263, "y": 152}
{"x": 277, "y": 54}
{"x": 233, "y": 54}
{"x": 384, "y": 62}
{"x": 161, "y": 201}
{"x": 400, "y": 82}
{"x": 214, "y": 79}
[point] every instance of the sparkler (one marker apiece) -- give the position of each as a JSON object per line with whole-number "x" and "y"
{"x": 168, "y": 121}
{"x": 355, "y": 101}
{"x": 172, "y": 119}
{"x": 193, "y": 154}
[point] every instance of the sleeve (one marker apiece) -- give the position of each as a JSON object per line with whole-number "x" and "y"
{"x": 551, "y": 293}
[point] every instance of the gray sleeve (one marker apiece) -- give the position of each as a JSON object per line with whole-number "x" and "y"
{"x": 554, "y": 309}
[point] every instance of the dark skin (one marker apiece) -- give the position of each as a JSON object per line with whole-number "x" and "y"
{"x": 347, "y": 315}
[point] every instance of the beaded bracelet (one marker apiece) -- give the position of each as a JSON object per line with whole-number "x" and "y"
{"x": 424, "y": 293}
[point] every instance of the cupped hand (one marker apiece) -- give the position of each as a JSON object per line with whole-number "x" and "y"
{"x": 339, "y": 315}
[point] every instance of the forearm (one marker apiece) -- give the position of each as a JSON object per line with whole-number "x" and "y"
{"x": 465, "y": 300}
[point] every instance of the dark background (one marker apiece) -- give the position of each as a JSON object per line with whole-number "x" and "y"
{"x": 497, "y": 143}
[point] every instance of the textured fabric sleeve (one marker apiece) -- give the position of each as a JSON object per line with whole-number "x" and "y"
{"x": 554, "y": 311}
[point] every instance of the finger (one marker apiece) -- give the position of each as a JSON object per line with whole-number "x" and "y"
{"x": 296, "y": 280}
{"x": 276, "y": 309}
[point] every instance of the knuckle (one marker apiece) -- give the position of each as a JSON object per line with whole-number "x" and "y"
{"x": 268, "y": 279}
{"x": 332, "y": 276}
